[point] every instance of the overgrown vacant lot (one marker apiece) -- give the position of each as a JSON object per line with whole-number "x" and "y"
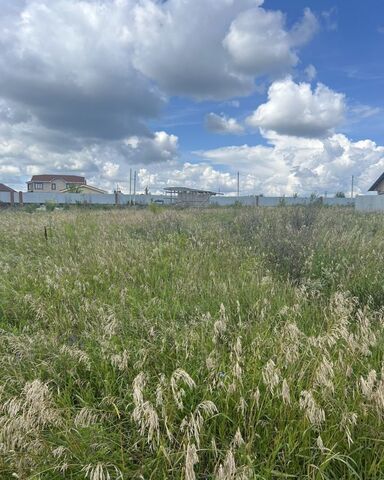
{"x": 217, "y": 344}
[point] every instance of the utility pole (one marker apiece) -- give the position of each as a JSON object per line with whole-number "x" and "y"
{"x": 130, "y": 186}
{"x": 134, "y": 188}
{"x": 238, "y": 185}
{"x": 352, "y": 186}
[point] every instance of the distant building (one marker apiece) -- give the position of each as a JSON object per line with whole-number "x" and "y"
{"x": 189, "y": 197}
{"x": 378, "y": 186}
{"x": 56, "y": 182}
{"x": 5, "y": 188}
{"x": 83, "y": 189}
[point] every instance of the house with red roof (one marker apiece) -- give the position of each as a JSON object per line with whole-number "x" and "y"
{"x": 54, "y": 183}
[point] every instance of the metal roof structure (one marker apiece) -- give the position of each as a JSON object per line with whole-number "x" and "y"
{"x": 189, "y": 197}
{"x": 189, "y": 190}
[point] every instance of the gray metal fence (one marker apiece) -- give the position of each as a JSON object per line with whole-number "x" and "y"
{"x": 25, "y": 198}
{"x": 370, "y": 203}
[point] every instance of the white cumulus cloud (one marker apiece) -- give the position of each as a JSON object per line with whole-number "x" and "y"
{"x": 214, "y": 49}
{"x": 305, "y": 165}
{"x": 259, "y": 43}
{"x": 295, "y": 109}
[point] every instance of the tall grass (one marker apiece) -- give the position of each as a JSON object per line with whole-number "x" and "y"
{"x": 219, "y": 344}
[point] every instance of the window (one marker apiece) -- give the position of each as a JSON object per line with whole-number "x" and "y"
{"x": 38, "y": 186}
{"x": 53, "y": 186}
{"x": 30, "y": 187}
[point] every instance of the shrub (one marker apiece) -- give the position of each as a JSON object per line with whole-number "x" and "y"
{"x": 50, "y": 206}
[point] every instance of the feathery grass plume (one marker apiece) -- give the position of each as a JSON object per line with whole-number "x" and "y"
{"x": 220, "y": 326}
{"x": 290, "y": 342}
{"x": 238, "y": 440}
{"x": 227, "y": 470}
{"x": 142, "y": 355}
{"x": 245, "y": 472}
{"x": 120, "y": 360}
{"x": 348, "y": 421}
{"x": 87, "y": 417}
{"x": 242, "y": 406}
{"x": 160, "y": 403}
{"x": 237, "y": 360}
{"x": 76, "y": 354}
{"x": 193, "y": 423}
{"x": 38, "y": 407}
{"x": 368, "y": 385}
{"x": 180, "y": 375}
{"x": 271, "y": 376}
{"x": 378, "y": 395}
{"x": 110, "y": 323}
{"x": 191, "y": 459}
{"x": 138, "y": 385}
{"x": 320, "y": 445}
{"x": 147, "y": 419}
{"x": 256, "y": 397}
{"x": 24, "y": 418}
{"x": 59, "y": 452}
{"x": 324, "y": 374}
{"x": 366, "y": 337}
{"x": 285, "y": 394}
{"x": 314, "y": 414}
{"x": 341, "y": 306}
{"x": 211, "y": 362}
{"x": 160, "y": 388}
{"x": 101, "y": 471}
{"x": 144, "y": 414}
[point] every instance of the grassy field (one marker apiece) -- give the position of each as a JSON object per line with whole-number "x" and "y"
{"x": 219, "y": 344}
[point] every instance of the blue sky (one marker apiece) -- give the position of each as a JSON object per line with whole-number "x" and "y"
{"x": 346, "y": 53}
{"x": 189, "y": 92}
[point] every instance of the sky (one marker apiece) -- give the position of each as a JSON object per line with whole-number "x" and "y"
{"x": 290, "y": 94}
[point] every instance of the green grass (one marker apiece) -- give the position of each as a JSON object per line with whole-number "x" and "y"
{"x": 216, "y": 344}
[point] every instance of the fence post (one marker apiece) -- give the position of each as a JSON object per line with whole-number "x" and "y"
{"x": 12, "y": 198}
{"x": 21, "y": 202}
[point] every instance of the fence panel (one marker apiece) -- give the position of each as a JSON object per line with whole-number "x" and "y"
{"x": 369, "y": 203}
{"x": 373, "y": 203}
{"x": 5, "y": 197}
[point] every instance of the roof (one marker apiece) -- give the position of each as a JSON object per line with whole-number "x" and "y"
{"x": 67, "y": 178}
{"x": 376, "y": 184}
{"x": 187, "y": 190}
{"x": 85, "y": 187}
{"x": 5, "y": 188}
